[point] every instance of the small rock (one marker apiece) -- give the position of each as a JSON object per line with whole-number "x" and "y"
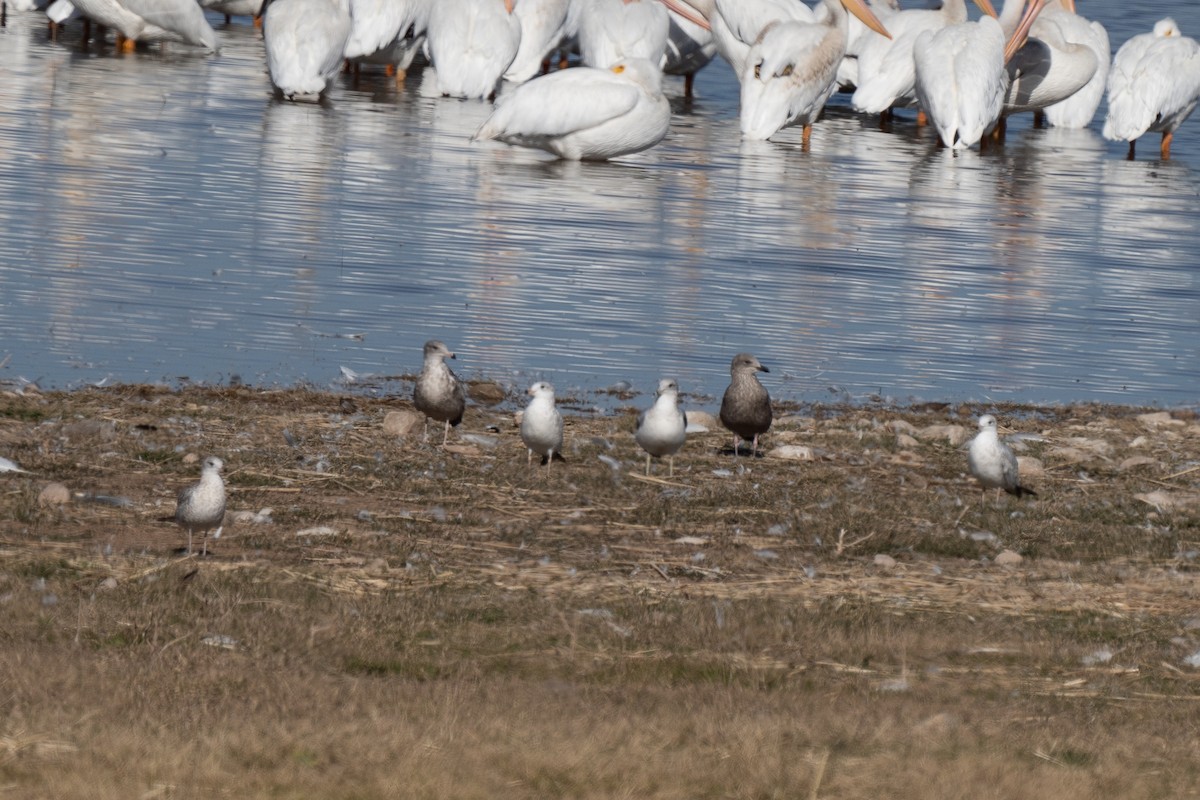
{"x": 701, "y": 420}
{"x": 954, "y": 434}
{"x": 793, "y": 452}
{"x": 1030, "y": 467}
{"x": 1007, "y": 558}
{"x": 1164, "y": 500}
{"x": 885, "y": 561}
{"x": 1158, "y": 418}
{"x": 220, "y": 640}
{"x": 906, "y": 441}
{"x": 54, "y": 494}
{"x": 1136, "y": 461}
{"x": 902, "y": 427}
{"x": 108, "y": 583}
{"x": 377, "y": 566}
{"x": 190, "y": 458}
{"x": 1101, "y": 656}
{"x": 401, "y": 423}
{"x": 320, "y": 530}
{"x": 488, "y": 393}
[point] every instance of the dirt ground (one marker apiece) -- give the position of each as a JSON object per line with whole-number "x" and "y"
{"x": 383, "y": 617}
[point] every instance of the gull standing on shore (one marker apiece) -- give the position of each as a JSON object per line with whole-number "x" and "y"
{"x": 662, "y": 428}
{"x": 542, "y": 425}
{"x": 438, "y": 393}
{"x": 201, "y": 506}
{"x": 992, "y": 462}
{"x": 746, "y": 406}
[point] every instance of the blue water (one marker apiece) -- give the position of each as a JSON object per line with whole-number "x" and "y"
{"x": 163, "y": 218}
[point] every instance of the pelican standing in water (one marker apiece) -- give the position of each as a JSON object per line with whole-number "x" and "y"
{"x": 1050, "y": 68}
{"x": 617, "y": 30}
{"x": 792, "y": 70}
{"x": 584, "y": 113}
{"x": 738, "y": 24}
{"x": 1154, "y": 86}
{"x": 543, "y": 26}
{"x": 471, "y": 43}
{"x": 304, "y": 40}
{"x": 961, "y": 80}
{"x": 150, "y": 21}
{"x": 886, "y": 71}
{"x": 388, "y": 32}
{"x": 1077, "y": 110}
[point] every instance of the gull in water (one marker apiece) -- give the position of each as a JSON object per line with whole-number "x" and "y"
{"x": 438, "y": 393}
{"x": 542, "y": 425}
{"x": 992, "y": 462}
{"x": 746, "y": 406}
{"x": 201, "y": 506}
{"x": 662, "y": 428}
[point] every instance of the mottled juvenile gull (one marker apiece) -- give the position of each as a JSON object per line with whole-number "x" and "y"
{"x": 992, "y": 462}
{"x": 542, "y": 425}
{"x": 439, "y": 394}
{"x": 201, "y": 506}
{"x": 662, "y": 428}
{"x": 746, "y": 406}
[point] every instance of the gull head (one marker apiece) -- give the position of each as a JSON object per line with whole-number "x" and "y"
{"x": 437, "y": 349}
{"x": 744, "y": 362}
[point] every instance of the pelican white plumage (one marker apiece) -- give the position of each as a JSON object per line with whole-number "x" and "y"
{"x": 1154, "y": 86}
{"x": 738, "y": 24}
{"x": 792, "y": 69}
{"x": 961, "y": 79}
{"x": 690, "y": 42}
{"x": 886, "y": 72}
{"x": 1077, "y": 110}
{"x": 1051, "y": 67}
{"x": 304, "y": 40}
{"x": 387, "y": 32}
{"x": 616, "y": 30}
{"x": 151, "y": 21}
{"x": 471, "y": 43}
{"x": 584, "y": 113}
{"x": 234, "y": 8}
{"x": 543, "y": 26}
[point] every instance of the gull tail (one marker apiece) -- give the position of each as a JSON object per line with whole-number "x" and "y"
{"x": 1021, "y": 491}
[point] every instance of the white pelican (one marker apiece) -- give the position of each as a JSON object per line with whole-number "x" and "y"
{"x": 471, "y": 44}
{"x": 304, "y": 41}
{"x": 388, "y": 32}
{"x": 1077, "y": 110}
{"x": 885, "y": 66}
{"x": 690, "y": 42}
{"x": 738, "y": 24}
{"x": 1052, "y": 68}
{"x": 236, "y": 8}
{"x": 792, "y": 70}
{"x": 543, "y": 26}
{"x": 1153, "y": 86}
{"x": 961, "y": 79}
{"x": 616, "y": 30}
{"x": 584, "y": 113}
{"x": 151, "y": 21}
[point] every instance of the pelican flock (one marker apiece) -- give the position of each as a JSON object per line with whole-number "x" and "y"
{"x": 583, "y": 79}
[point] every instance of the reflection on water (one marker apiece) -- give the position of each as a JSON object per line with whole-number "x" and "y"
{"x": 163, "y": 217}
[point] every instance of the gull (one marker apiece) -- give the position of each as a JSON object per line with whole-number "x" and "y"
{"x": 746, "y": 406}
{"x": 542, "y": 425}
{"x": 438, "y": 393}
{"x": 662, "y": 428}
{"x": 992, "y": 462}
{"x": 201, "y": 506}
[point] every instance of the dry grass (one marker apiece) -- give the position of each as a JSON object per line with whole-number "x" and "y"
{"x": 470, "y": 628}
